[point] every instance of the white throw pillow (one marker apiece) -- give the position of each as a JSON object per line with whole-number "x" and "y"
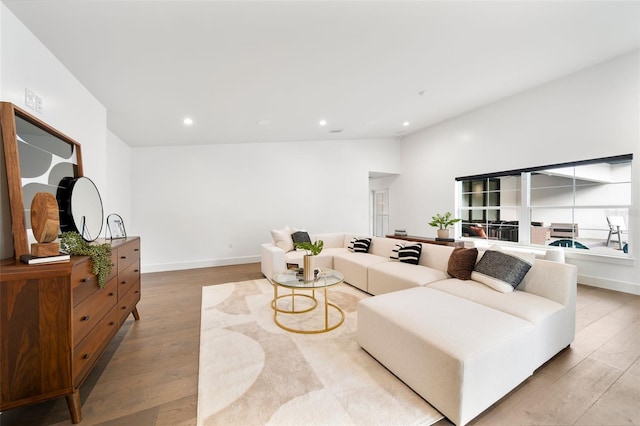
{"x": 282, "y": 238}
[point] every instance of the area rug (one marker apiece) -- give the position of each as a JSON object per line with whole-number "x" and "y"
{"x": 254, "y": 373}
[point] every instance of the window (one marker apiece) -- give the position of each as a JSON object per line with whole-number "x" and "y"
{"x": 581, "y": 205}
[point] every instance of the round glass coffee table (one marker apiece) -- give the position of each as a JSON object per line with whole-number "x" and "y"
{"x": 326, "y": 278}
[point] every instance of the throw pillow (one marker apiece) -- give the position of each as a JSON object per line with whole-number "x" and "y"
{"x": 410, "y": 253}
{"x": 500, "y": 271}
{"x": 360, "y": 245}
{"x": 282, "y": 238}
{"x": 394, "y": 252}
{"x": 461, "y": 262}
{"x": 300, "y": 237}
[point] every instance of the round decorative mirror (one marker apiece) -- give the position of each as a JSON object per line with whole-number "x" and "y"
{"x": 80, "y": 207}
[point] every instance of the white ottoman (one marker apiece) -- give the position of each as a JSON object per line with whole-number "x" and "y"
{"x": 457, "y": 354}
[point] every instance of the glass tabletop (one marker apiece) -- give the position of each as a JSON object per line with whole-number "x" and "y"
{"x": 326, "y": 278}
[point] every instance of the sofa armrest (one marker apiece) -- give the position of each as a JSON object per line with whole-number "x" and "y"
{"x": 552, "y": 280}
{"x": 272, "y": 260}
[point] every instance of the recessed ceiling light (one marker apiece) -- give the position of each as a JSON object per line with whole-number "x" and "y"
{"x": 263, "y": 122}
{"x": 187, "y": 121}
{"x": 371, "y": 123}
{"x": 406, "y": 124}
{"x": 322, "y": 123}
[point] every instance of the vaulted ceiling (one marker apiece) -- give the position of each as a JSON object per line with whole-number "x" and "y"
{"x": 272, "y": 70}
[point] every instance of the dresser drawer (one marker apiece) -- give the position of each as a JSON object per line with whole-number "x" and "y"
{"x": 91, "y": 347}
{"x": 128, "y": 278}
{"x": 83, "y": 282}
{"x": 128, "y": 254}
{"x": 114, "y": 265}
{"x": 88, "y": 313}
{"x": 128, "y": 302}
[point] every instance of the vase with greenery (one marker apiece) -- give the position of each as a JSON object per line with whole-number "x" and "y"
{"x": 311, "y": 249}
{"x": 443, "y": 222}
{"x": 74, "y": 244}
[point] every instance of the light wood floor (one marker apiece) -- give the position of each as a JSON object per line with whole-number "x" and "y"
{"x": 149, "y": 373}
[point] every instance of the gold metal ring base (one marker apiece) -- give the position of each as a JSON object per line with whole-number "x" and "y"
{"x": 316, "y": 331}
{"x": 274, "y": 303}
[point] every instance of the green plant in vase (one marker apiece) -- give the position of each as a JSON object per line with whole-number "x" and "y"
{"x": 442, "y": 222}
{"x": 74, "y": 244}
{"x": 311, "y": 249}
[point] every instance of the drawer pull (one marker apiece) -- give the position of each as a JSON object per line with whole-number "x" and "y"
{"x": 85, "y": 318}
{"x": 124, "y": 282}
{"x": 111, "y": 294}
{"x": 136, "y": 270}
{"x": 112, "y": 323}
{"x": 123, "y": 308}
{"x": 123, "y": 257}
{"x": 86, "y": 356}
{"x": 137, "y": 249}
{"x": 86, "y": 279}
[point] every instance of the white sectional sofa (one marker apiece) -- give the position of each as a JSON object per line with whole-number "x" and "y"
{"x": 458, "y": 343}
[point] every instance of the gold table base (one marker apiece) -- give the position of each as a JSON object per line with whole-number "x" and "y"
{"x": 293, "y": 295}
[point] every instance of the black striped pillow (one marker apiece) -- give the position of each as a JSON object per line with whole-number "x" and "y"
{"x": 394, "y": 252}
{"x": 410, "y": 254}
{"x": 360, "y": 245}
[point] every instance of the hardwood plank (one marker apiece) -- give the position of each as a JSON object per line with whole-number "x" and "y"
{"x": 620, "y": 404}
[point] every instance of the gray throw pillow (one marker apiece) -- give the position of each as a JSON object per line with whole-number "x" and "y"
{"x": 500, "y": 271}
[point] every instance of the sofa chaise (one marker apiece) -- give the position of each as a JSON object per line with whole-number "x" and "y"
{"x": 459, "y": 343}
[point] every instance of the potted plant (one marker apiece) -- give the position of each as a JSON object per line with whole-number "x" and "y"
{"x": 74, "y": 244}
{"x": 442, "y": 222}
{"x": 311, "y": 249}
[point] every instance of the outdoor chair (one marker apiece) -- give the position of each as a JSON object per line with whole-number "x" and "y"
{"x": 616, "y": 227}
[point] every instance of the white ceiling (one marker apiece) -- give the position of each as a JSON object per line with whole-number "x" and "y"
{"x": 366, "y": 67}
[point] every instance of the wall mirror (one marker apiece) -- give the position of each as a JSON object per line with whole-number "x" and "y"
{"x": 37, "y": 158}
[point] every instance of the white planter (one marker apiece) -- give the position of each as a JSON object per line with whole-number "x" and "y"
{"x": 443, "y": 233}
{"x": 308, "y": 267}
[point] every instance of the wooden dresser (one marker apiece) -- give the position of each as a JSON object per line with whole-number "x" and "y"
{"x": 55, "y": 322}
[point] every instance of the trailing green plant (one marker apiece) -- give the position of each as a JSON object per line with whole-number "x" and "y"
{"x": 73, "y": 243}
{"x": 311, "y": 248}
{"x": 443, "y": 221}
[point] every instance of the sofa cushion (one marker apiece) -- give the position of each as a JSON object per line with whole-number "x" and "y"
{"x": 521, "y": 304}
{"x": 410, "y": 253}
{"x": 282, "y": 238}
{"x": 360, "y": 245}
{"x": 458, "y": 355}
{"x": 461, "y": 262}
{"x": 392, "y": 276}
{"x": 354, "y": 267}
{"x": 500, "y": 271}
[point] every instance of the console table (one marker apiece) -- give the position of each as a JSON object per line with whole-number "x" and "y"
{"x": 55, "y": 323}
{"x": 427, "y": 240}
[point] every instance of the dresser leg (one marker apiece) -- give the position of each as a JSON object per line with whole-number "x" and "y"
{"x": 75, "y": 409}
{"x": 135, "y": 313}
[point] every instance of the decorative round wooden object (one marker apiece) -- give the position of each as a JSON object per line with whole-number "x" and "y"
{"x": 45, "y": 217}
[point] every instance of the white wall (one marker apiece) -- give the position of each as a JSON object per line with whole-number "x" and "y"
{"x": 68, "y": 106}
{"x": 190, "y": 203}
{"x": 117, "y": 195}
{"x": 591, "y": 114}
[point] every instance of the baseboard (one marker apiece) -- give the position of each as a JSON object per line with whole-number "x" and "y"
{"x": 624, "y": 287}
{"x": 199, "y": 264}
